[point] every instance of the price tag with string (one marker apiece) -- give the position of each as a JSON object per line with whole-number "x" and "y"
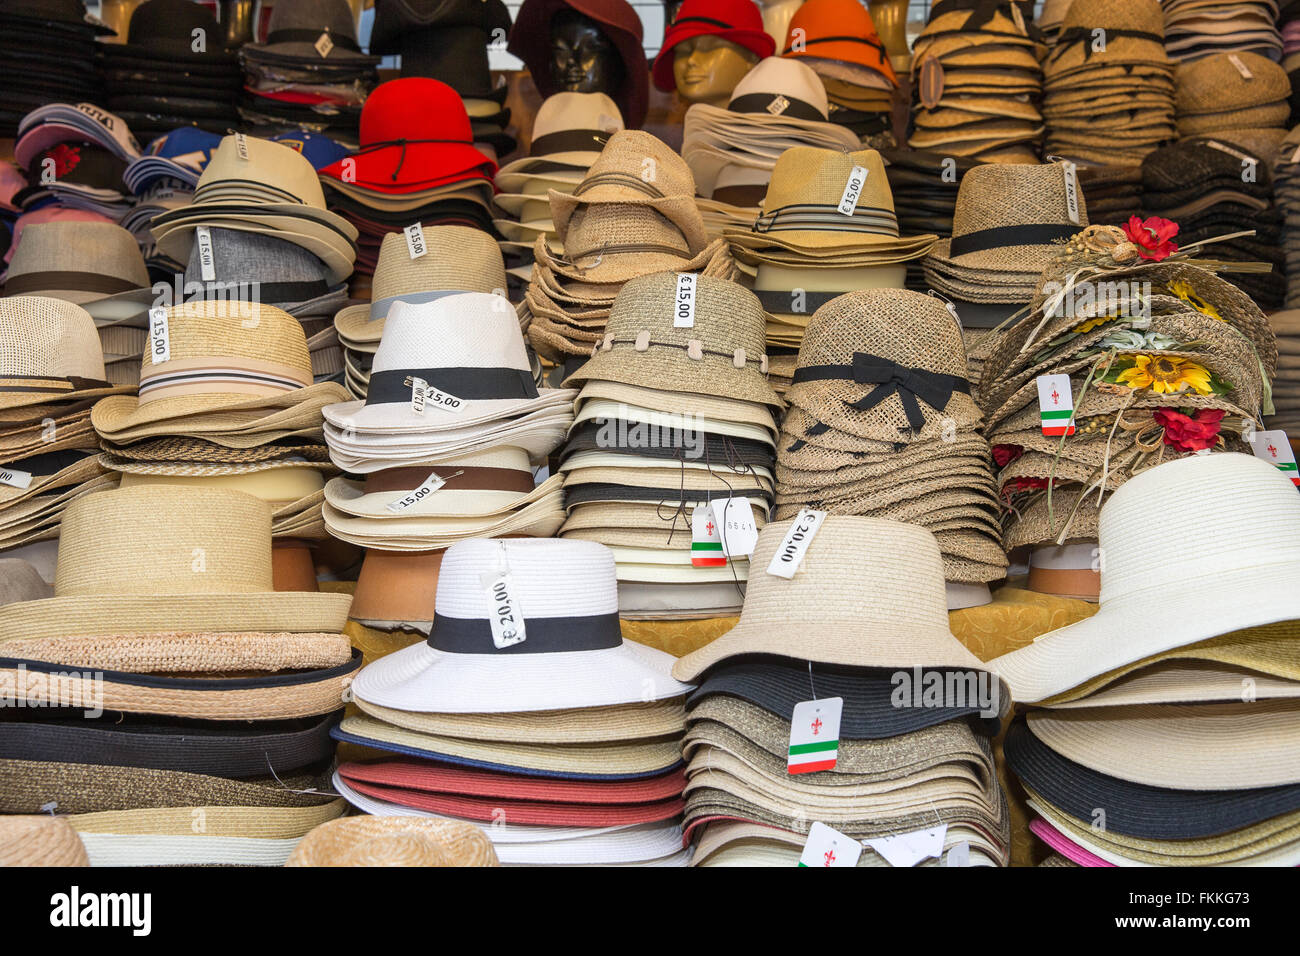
{"x": 736, "y": 525}
{"x": 828, "y": 847}
{"x": 504, "y": 614}
{"x": 706, "y": 542}
{"x": 815, "y": 735}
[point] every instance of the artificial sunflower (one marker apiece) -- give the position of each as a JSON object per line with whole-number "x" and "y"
{"x": 1166, "y": 375}
{"x": 1183, "y": 289}
{"x": 1087, "y": 325}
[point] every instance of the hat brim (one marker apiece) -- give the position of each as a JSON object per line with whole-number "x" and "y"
{"x": 351, "y": 497}
{"x": 397, "y": 418}
{"x": 124, "y": 414}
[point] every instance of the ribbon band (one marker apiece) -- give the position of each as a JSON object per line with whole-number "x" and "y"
{"x": 469, "y": 384}
{"x": 69, "y": 280}
{"x": 874, "y": 44}
{"x": 762, "y": 102}
{"x": 294, "y": 35}
{"x": 813, "y": 217}
{"x": 546, "y": 635}
{"x": 911, "y": 385}
{"x": 470, "y": 479}
{"x": 569, "y": 141}
{"x": 219, "y": 374}
{"x": 1002, "y": 237}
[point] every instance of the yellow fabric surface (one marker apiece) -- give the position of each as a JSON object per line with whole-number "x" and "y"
{"x": 1013, "y": 620}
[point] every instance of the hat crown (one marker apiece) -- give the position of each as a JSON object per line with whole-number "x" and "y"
{"x": 458, "y": 258}
{"x": 171, "y": 21}
{"x": 807, "y": 175}
{"x": 909, "y": 328}
{"x": 271, "y": 164}
{"x": 820, "y": 19}
{"x": 727, "y": 315}
{"x": 249, "y": 257}
{"x": 636, "y": 165}
{"x": 234, "y": 331}
{"x": 333, "y": 16}
{"x": 413, "y": 108}
{"x": 163, "y": 539}
{"x": 48, "y": 338}
{"x": 781, "y": 76}
{"x": 1144, "y": 15}
{"x": 468, "y": 330}
{"x": 102, "y": 248}
{"x": 995, "y": 195}
{"x": 1214, "y": 83}
{"x": 1234, "y": 511}
{"x": 564, "y": 111}
{"x": 733, "y": 14}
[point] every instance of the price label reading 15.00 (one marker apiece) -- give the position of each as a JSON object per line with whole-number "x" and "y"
{"x": 853, "y": 190}
{"x": 684, "y": 302}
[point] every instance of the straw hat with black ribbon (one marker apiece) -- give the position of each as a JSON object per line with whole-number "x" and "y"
{"x": 49, "y": 354}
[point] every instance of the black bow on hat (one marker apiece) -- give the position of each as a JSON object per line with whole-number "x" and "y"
{"x": 911, "y": 385}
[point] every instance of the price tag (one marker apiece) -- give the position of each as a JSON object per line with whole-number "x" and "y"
{"x": 853, "y": 190}
{"x": 706, "y": 543}
{"x": 815, "y": 735}
{"x": 15, "y": 478}
{"x": 790, "y": 552}
{"x": 415, "y": 240}
{"x": 684, "y": 302}
{"x": 207, "y": 260}
{"x": 1056, "y": 405}
{"x": 1273, "y": 447}
{"x": 909, "y": 849}
{"x": 419, "y": 387}
{"x": 778, "y": 105}
{"x": 503, "y": 611}
{"x": 241, "y": 146}
{"x": 1241, "y": 67}
{"x": 324, "y": 45}
{"x": 431, "y": 484}
{"x": 160, "y": 346}
{"x": 958, "y": 855}
{"x": 827, "y": 846}
{"x": 736, "y": 525}
{"x": 1071, "y": 191}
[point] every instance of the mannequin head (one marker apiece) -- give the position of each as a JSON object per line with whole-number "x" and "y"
{"x": 707, "y": 68}
{"x": 583, "y": 59}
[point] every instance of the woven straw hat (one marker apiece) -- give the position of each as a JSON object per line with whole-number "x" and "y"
{"x": 79, "y": 262}
{"x": 49, "y": 352}
{"x": 1212, "y": 94}
{"x": 722, "y": 353}
{"x": 40, "y": 840}
{"x": 458, "y": 259}
{"x": 869, "y": 593}
{"x": 394, "y": 841}
{"x": 569, "y": 130}
{"x": 610, "y": 243}
{"x": 166, "y": 559}
{"x": 1135, "y": 34}
{"x": 1201, "y": 495}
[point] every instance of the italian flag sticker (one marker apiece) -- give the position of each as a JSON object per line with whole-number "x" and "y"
{"x": 1056, "y": 405}
{"x": 815, "y": 735}
{"x": 1274, "y": 448}
{"x": 706, "y": 542}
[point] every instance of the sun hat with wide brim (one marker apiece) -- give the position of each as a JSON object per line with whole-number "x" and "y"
{"x": 40, "y": 840}
{"x": 1208, "y": 492}
{"x": 1181, "y": 681}
{"x": 394, "y": 841}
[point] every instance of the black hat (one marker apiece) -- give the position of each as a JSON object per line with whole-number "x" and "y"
{"x": 394, "y": 19}
{"x": 455, "y": 55}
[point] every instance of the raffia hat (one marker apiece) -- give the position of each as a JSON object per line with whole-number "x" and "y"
{"x": 49, "y": 352}
{"x": 1213, "y": 94}
{"x": 40, "y": 840}
{"x": 1134, "y": 34}
{"x": 394, "y": 841}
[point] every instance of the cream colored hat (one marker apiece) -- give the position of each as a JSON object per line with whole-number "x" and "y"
{"x": 81, "y": 262}
{"x": 49, "y": 352}
{"x": 569, "y": 132}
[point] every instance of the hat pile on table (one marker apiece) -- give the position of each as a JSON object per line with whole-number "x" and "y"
{"x": 805, "y": 249}
{"x": 1109, "y": 96}
{"x": 133, "y": 720}
{"x": 674, "y": 422}
{"x": 863, "y": 609}
{"x": 1199, "y": 28}
{"x": 924, "y": 185}
{"x": 1241, "y": 96}
{"x": 634, "y": 213}
{"x": 838, "y": 39}
{"x": 75, "y": 157}
{"x": 309, "y": 73}
{"x": 48, "y": 52}
{"x": 1214, "y": 187}
{"x": 417, "y": 163}
{"x": 777, "y": 105}
{"x": 554, "y": 730}
{"x": 51, "y": 373}
{"x": 882, "y": 424}
{"x": 1286, "y": 383}
{"x": 173, "y": 70}
{"x": 978, "y": 83}
{"x": 569, "y": 132}
{"x": 1183, "y": 736}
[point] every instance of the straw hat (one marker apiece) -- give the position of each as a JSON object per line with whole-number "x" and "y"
{"x": 81, "y": 262}
{"x": 40, "y": 840}
{"x": 49, "y": 352}
{"x": 1134, "y": 32}
{"x": 457, "y": 259}
{"x": 569, "y": 132}
{"x": 394, "y": 841}
{"x": 1200, "y": 495}
{"x": 1212, "y": 94}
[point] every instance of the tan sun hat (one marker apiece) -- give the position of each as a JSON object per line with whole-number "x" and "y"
{"x": 49, "y": 352}
{"x": 81, "y": 262}
{"x": 40, "y": 840}
{"x": 394, "y": 841}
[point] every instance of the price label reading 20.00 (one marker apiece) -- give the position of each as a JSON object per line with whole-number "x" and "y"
{"x": 504, "y": 615}
{"x": 790, "y": 552}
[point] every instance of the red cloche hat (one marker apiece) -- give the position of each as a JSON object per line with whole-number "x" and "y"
{"x": 736, "y": 20}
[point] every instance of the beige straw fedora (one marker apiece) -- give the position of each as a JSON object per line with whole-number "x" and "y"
{"x": 569, "y": 132}
{"x": 40, "y": 840}
{"x": 80, "y": 262}
{"x": 394, "y": 841}
{"x": 49, "y": 352}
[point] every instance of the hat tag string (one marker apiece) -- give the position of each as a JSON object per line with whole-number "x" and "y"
{"x": 284, "y": 786}
{"x": 731, "y": 563}
{"x": 810, "y": 681}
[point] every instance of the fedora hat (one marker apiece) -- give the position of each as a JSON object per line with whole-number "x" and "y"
{"x": 296, "y": 26}
{"x": 54, "y": 353}
{"x": 735, "y": 21}
{"x": 1196, "y": 492}
{"x": 87, "y": 263}
{"x": 275, "y": 271}
{"x": 162, "y": 32}
{"x": 838, "y": 38}
{"x": 569, "y": 132}
{"x": 457, "y": 259}
{"x": 395, "y": 19}
{"x": 394, "y": 841}
{"x": 1134, "y": 34}
{"x": 40, "y": 840}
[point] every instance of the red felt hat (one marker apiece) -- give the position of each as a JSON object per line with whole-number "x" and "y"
{"x": 415, "y": 134}
{"x": 736, "y": 20}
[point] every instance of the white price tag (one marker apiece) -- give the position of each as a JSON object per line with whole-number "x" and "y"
{"x": 778, "y": 105}
{"x": 160, "y": 345}
{"x": 1071, "y": 191}
{"x": 959, "y": 855}
{"x": 706, "y": 543}
{"x": 15, "y": 478}
{"x": 684, "y": 301}
{"x": 909, "y": 849}
{"x": 431, "y": 484}
{"x": 207, "y": 260}
{"x": 790, "y": 552}
{"x": 504, "y": 615}
{"x": 1241, "y": 67}
{"x": 815, "y": 735}
{"x": 1056, "y": 405}
{"x": 415, "y": 240}
{"x": 1273, "y": 447}
{"x": 419, "y": 388}
{"x": 852, "y": 190}
{"x": 241, "y": 146}
{"x": 736, "y": 525}
{"x": 323, "y": 45}
{"x": 827, "y": 846}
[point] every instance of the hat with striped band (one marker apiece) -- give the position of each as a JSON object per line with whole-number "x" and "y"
{"x": 49, "y": 352}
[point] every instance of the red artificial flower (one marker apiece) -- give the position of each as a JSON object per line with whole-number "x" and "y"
{"x": 1200, "y": 430}
{"x": 66, "y": 158}
{"x": 1153, "y": 237}
{"x": 1006, "y": 454}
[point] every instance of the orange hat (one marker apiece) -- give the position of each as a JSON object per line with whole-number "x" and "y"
{"x": 838, "y": 30}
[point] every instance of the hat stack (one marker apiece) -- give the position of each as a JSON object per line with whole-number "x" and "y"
{"x": 133, "y": 721}
{"x": 777, "y": 105}
{"x": 824, "y": 650}
{"x": 828, "y": 226}
{"x": 1286, "y": 383}
{"x": 1289, "y": 23}
{"x": 417, "y": 163}
{"x": 1109, "y": 95}
{"x": 309, "y": 73}
{"x": 634, "y": 213}
{"x": 75, "y": 157}
{"x": 48, "y": 48}
{"x": 454, "y": 259}
{"x": 51, "y": 372}
{"x": 444, "y": 446}
{"x": 882, "y": 424}
{"x": 838, "y": 39}
{"x": 172, "y": 71}
{"x": 674, "y": 424}
{"x": 164, "y": 178}
{"x": 1114, "y": 193}
{"x": 1242, "y": 97}
{"x": 226, "y": 400}
{"x": 569, "y": 132}
{"x": 1050, "y": 19}
{"x": 538, "y": 719}
{"x": 1195, "y": 29}
{"x": 1286, "y": 195}
{"x": 1214, "y": 187}
{"x": 978, "y": 82}
{"x": 394, "y": 841}
{"x": 925, "y": 186}
{"x": 1173, "y": 746}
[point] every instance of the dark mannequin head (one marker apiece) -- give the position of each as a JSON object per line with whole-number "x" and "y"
{"x": 583, "y": 60}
